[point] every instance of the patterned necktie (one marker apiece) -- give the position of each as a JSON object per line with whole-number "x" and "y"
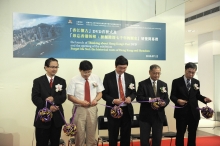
{"x": 87, "y": 91}
{"x": 51, "y": 83}
{"x": 122, "y": 96}
{"x": 188, "y": 84}
{"x": 155, "y": 89}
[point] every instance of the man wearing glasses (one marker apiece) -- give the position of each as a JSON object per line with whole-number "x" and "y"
{"x": 119, "y": 90}
{"x": 50, "y": 88}
{"x": 85, "y": 90}
{"x": 151, "y": 116}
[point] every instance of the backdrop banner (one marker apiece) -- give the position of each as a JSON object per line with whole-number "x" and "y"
{"x": 43, "y": 36}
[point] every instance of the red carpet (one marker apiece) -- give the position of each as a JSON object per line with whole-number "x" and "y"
{"x": 200, "y": 141}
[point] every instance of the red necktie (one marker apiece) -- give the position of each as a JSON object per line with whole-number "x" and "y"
{"x": 87, "y": 91}
{"x": 51, "y": 83}
{"x": 122, "y": 96}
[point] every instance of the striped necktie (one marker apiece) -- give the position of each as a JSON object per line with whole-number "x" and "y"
{"x": 188, "y": 85}
{"x": 155, "y": 89}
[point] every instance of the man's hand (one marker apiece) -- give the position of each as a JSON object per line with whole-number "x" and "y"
{"x": 128, "y": 100}
{"x": 94, "y": 102}
{"x": 117, "y": 101}
{"x": 50, "y": 99}
{"x": 85, "y": 103}
{"x": 54, "y": 108}
{"x": 162, "y": 103}
{"x": 181, "y": 102}
{"x": 207, "y": 100}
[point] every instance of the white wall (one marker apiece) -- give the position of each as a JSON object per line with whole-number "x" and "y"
{"x": 191, "y": 52}
{"x": 216, "y": 83}
{"x": 209, "y": 45}
{"x": 17, "y": 74}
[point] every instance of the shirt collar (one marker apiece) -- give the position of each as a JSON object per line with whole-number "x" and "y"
{"x": 185, "y": 79}
{"x": 84, "y": 78}
{"x": 152, "y": 81}
{"x": 117, "y": 75}
{"x": 49, "y": 77}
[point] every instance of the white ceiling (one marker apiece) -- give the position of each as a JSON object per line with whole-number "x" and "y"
{"x": 201, "y": 25}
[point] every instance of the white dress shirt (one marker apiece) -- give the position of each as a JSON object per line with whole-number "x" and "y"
{"x": 123, "y": 86}
{"x": 50, "y": 78}
{"x": 123, "y": 83}
{"x": 76, "y": 87}
{"x": 152, "y": 82}
{"x": 185, "y": 79}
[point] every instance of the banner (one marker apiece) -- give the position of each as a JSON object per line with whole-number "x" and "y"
{"x": 43, "y": 36}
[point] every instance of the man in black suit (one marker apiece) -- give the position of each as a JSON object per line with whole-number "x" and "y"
{"x": 152, "y": 116}
{"x": 53, "y": 89}
{"x": 119, "y": 87}
{"x": 185, "y": 93}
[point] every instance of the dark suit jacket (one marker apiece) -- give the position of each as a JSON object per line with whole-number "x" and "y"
{"x": 40, "y": 91}
{"x": 111, "y": 91}
{"x": 144, "y": 92}
{"x": 179, "y": 91}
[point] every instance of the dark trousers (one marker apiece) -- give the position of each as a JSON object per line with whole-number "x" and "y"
{"x": 44, "y": 135}
{"x": 156, "y": 124}
{"x": 124, "y": 124}
{"x": 181, "y": 124}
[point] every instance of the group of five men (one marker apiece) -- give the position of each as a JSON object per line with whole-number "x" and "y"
{"x": 118, "y": 88}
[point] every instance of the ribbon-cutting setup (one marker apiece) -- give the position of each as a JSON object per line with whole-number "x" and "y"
{"x": 45, "y": 114}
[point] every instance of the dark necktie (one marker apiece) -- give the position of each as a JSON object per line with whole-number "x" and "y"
{"x": 122, "y": 96}
{"x": 87, "y": 91}
{"x": 155, "y": 89}
{"x": 51, "y": 83}
{"x": 188, "y": 84}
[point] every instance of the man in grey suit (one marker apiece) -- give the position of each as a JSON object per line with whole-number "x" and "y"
{"x": 152, "y": 116}
{"x": 185, "y": 93}
{"x": 119, "y": 88}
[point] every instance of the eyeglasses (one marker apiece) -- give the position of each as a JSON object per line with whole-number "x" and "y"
{"x": 156, "y": 73}
{"x": 191, "y": 72}
{"x": 86, "y": 72}
{"x": 54, "y": 67}
{"x": 122, "y": 68}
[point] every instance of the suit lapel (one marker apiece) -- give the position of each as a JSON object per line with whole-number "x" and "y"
{"x": 114, "y": 82}
{"x": 126, "y": 84}
{"x": 184, "y": 86}
{"x": 191, "y": 87}
{"x": 55, "y": 82}
{"x": 150, "y": 87}
{"x": 47, "y": 84}
{"x": 158, "y": 88}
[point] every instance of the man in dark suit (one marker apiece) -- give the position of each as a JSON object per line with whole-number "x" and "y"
{"x": 152, "y": 116}
{"x": 53, "y": 89}
{"x": 185, "y": 93}
{"x": 119, "y": 87}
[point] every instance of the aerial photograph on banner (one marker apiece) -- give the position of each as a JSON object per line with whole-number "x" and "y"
{"x": 43, "y": 36}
